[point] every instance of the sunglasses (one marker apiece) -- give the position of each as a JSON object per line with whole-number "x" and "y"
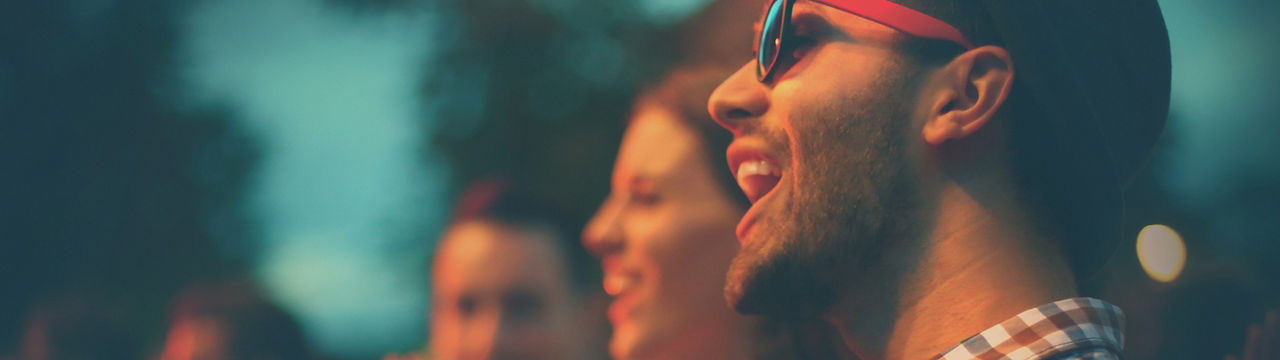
{"x": 776, "y": 26}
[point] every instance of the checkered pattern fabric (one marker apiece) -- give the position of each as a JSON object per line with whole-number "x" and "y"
{"x": 1077, "y": 328}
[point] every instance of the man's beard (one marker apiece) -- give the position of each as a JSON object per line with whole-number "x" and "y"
{"x": 853, "y": 194}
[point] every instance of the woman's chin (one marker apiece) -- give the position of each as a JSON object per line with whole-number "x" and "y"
{"x": 629, "y": 343}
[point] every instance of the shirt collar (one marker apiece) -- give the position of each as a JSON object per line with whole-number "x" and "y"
{"x": 1061, "y": 326}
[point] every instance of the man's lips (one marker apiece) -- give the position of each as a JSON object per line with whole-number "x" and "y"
{"x": 756, "y": 173}
{"x": 757, "y": 178}
{"x": 753, "y": 215}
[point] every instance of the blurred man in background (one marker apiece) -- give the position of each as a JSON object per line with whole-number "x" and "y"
{"x": 79, "y": 326}
{"x": 231, "y": 320}
{"x": 502, "y": 287}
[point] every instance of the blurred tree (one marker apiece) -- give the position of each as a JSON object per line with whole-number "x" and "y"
{"x": 110, "y": 185}
{"x": 537, "y": 91}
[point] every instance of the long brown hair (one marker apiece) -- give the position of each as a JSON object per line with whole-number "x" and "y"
{"x": 684, "y": 91}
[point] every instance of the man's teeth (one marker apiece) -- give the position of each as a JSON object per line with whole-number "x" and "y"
{"x": 616, "y": 284}
{"x": 756, "y": 167}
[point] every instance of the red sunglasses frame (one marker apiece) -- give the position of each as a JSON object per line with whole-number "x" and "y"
{"x": 884, "y": 12}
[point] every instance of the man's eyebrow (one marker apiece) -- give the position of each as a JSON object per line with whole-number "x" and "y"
{"x": 814, "y": 21}
{"x": 804, "y": 13}
{"x": 764, "y": 10}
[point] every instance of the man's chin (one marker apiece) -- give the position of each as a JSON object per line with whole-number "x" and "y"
{"x": 760, "y": 284}
{"x": 735, "y": 293}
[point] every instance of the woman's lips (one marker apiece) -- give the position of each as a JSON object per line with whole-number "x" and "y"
{"x": 616, "y": 284}
{"x": 622, "y": 285}
{"x": 620, "y": 308}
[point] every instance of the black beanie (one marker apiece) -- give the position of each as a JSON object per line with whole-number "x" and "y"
{"x": 1098, "y": 74}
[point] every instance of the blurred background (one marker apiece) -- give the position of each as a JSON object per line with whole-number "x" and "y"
{"x": 317, "y": 147}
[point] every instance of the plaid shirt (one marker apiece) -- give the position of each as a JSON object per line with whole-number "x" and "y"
{"x": 1077, "y": 328}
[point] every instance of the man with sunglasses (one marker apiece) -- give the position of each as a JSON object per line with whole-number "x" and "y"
{"x": 933, "y": 177}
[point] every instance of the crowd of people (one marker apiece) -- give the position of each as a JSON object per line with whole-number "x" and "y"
{"x": 914, "y": 179}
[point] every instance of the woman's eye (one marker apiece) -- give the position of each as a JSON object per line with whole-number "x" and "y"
{"x": 467, "y": 306}
{"x": 644, "y": 198}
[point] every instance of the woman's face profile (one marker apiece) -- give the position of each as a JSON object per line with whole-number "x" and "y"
{"x": 665, "y": 236}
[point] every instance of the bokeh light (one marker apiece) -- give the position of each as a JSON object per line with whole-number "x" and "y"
{"x": 1161, "y": 252}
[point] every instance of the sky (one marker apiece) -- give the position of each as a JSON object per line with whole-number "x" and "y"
{"x": 343, "y": 191}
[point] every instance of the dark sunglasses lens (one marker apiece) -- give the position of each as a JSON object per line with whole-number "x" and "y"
{"x": 770, "y": 31}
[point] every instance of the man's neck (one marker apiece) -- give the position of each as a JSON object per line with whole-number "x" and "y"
{"x": 979, "y": 266}
{"x": 712, "y": 340}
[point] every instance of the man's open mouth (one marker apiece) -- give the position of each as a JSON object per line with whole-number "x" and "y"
{"x": 757, "y": 177}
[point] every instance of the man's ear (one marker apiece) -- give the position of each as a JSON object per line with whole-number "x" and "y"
{"x": 969, "y": 91}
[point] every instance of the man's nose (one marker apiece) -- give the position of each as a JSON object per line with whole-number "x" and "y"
{"x": 739, "y": 99}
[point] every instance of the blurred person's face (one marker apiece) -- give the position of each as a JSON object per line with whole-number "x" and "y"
{"x": 35, "y": 342}
{"x": 500, "y": 292}
{"x": 823, "y": 150}
{"x": 665, "y": 237}
{"x": 195, "y": 338}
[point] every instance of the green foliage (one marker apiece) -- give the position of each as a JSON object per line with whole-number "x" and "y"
{"x": 109, "y": 187}
{"x": 536, "y": 92}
